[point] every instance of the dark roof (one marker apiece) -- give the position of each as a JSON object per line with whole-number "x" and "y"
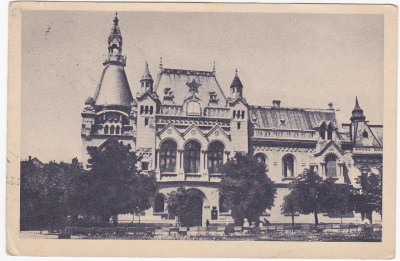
{"x": 290, "y": 118}
{"x": 236, "y": 82}
{"x": 113, "y": 88}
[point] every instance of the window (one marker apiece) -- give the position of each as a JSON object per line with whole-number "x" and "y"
{"x": 146, "y": 109}
{"x": 288, "y": 166}
{"x": 322, "y": 131}
{"x": 238, "y": 125}
{"x": 151, "y": 110}
{"x": 117, "y": 130}
{"x": 141, "y": 109}
{"x": 214, "y": 213}
{"x": 106, "y": 129}
{"x": 222, "y": 205}
{"x": 261, "y": 158}
{"x": 112, "y": 130}
{"x": 191, "y": 157}
{"x": 159, "y": 204}
{"x": 330, "y": 131}
{"x": 330, "y": 161}
{"x": 243, "y": 114}
{"x": 365, "y": 134}
{"x": 193, "y": 108}
{"x": 146, "y": 121}
{"x": 215, "y": 157}
{"x": 145, "y": 165}
{"x": 168, "y": 156}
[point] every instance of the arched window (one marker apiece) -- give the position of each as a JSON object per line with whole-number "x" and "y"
{"x": 365, "y": 134}
{"x": 243, "y": 114}
{"x": 146, "y": 109}
{"x": 168, "y": 156}
{"x": 330, "y": 161}
{"x": 322, "y": 131}
{"x": 215, "y": 157}
{"x": 330, "y": 131}
{"x": 112, "y": 130}
{"x": 261, "y": 158}
{"x": 288, "y": 166}
{"x": 191, "y": 157}
{"x": 193, "y": 108}
{"x": 141, "y": 109}
{"x": 222, "y": 206}
{"x": 117, "y": 130}
{"x": 159, "y": 204}
{"x": 106, "y": 129}
{"x": 151, "y": 110}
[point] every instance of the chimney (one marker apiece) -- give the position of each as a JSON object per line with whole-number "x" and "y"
{"x": 276, "y": 103}
{"x": 330, "y": 105}
{"x": 29, "y": 158}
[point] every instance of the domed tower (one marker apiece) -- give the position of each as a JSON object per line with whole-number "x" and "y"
{"x": 108, "y": 114}
{"x": 113, "y": 89}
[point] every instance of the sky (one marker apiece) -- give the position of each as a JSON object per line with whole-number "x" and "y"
{"x": 304, "y": 60}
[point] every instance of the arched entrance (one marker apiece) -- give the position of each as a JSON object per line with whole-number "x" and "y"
{"x": 194, "y": 216}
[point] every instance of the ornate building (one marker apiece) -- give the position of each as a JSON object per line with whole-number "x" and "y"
{"x": 186, "y": 128}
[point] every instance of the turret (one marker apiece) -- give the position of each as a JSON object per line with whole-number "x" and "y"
{"x": 357, "y": 114}
{"x": 146, "y": 82}
{"x": 236, "y": 87}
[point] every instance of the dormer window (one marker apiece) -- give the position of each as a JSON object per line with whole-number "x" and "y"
{"x": 213, "y": 97}
{"x": 365, "y": 134}
{"x": 168, "y": 95}
{"x": 193, "y": 108}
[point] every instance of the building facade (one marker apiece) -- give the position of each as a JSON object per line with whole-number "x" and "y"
{"x": 185, "y": 129}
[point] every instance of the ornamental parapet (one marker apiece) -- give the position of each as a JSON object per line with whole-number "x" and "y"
{"x": 284, "y": 134}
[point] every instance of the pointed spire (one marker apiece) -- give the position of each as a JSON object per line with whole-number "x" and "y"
{"x": 357, "y": 113}
{"x": 116, "y": 18}
{"x": 236, "y": 81}
{"x": 160, "y": 65}
{"x": 146, "y": 74}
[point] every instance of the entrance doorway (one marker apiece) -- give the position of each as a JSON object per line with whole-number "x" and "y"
{"x": 194, "y": 216}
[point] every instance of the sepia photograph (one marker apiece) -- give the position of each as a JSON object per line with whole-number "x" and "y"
{"x": 142, "y": 124}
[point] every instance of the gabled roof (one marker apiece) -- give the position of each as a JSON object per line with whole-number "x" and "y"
{"x": 177, "y": 80}
{"x": 166, "y": 127}
{"x": 193, "y": 126}
{"x": 113, "y": 88}
{"x": 329, "y": 144}
{"x": 215, "y": 128}
{"x": 290, "y": 118}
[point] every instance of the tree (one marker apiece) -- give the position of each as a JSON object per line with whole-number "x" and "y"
{"x": 341, "y": 202}
{"x": 178, "y": 204}
{"x": 369, "y": 197}
{"x": 116, "y": 186}
{"x": 45, "y": 193}
{"x": 313, "y": 194}
{"x": 246, "y": 189}
{"x": 290, "y": 205}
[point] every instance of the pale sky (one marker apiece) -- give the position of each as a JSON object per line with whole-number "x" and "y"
{"x": 304, "y": 60}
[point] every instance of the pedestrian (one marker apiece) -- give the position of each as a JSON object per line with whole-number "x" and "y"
{"x": 207, "y": 223}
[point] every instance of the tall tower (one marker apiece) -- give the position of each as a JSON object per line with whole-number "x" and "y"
{"x": 108, "y": 114}
{"x": 239, "y": 116}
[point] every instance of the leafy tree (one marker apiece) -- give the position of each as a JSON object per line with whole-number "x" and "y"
{"x": 116, "y": 186}
{"x": 290, "y": 205}
{"x": 246, "y": 189}
{"x": 313, "y": 194}
{"x": 45, "y": 193}
{"x": 342, "y": 200}
{"x": 369, "y": 197}
{"x": 178, "y": 204}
